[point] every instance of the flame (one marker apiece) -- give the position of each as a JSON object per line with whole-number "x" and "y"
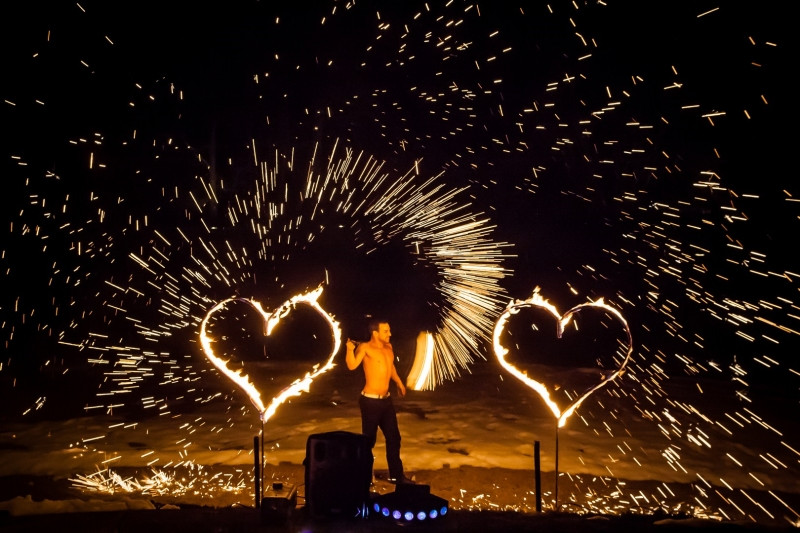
{"x": 536, "y": 300}
{"x": 271, "y": 320}
{"x": 418, "y": 378}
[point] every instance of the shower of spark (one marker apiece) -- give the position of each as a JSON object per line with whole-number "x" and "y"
{"x": 182, "y": 268}
{"x": 271, "y": 320}
{"x": 655, "y": 126}
{"x": 562, "y": 321}
{"x": 195, "y": 482}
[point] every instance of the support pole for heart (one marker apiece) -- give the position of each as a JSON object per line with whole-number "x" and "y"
{"x": 537, "y": 472}
{"x": 562, "y": 321}
{"x": 257, "y": 471}
{"x": 262, "y": 461}
{"x": 555, "y": 504}
{"x": 243, "y": 381}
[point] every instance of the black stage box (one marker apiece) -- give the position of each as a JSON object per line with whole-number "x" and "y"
{"x": 338, "y": 474}
{"x": 278, "y": 503}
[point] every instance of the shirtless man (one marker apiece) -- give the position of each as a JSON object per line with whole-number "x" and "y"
{"x": 377, "y": 409}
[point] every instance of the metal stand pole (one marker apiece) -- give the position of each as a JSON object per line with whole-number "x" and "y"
{"x": 537, "y": 472}
{"x": 556, "y": 491}
{"x": 263, "y": 460}
{"x": 257, "y": 471}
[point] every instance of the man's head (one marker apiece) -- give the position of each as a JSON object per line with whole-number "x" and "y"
{"x": 379, "y": 330}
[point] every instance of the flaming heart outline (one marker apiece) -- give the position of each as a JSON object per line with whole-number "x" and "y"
{"x": 271, "y": 320}
{"x": 562, "y": 321}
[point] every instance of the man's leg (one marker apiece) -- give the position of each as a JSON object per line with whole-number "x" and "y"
{"x": 391, "y": 432}
{"x": 370, "y": 418}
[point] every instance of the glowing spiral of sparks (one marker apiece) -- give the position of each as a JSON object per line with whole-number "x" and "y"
{"x": 271, "y": 320}
{"x": 218, "y": 237}
{"x": 562, "y": 322}
{"x": 384, "y": 209}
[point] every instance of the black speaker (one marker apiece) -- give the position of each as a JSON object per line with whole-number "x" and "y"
{"x": 338, "y": 474}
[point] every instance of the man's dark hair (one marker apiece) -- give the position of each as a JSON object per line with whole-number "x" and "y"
{"x": 375, "y": 323}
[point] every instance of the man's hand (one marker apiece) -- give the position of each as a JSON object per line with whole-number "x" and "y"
{"x": 350, "y": 356}
{"x": 401, "y": 389}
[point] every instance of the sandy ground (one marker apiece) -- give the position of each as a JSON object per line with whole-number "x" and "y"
{"x": 248, "y": 519}
{"x": 503, "y": 488}
{"x": 471, "y": 442}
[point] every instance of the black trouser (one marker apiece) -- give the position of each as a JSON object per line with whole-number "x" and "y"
{"x": 380, "y": 413}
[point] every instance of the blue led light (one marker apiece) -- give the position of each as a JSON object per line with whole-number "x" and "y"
{"x": 396, "y": 509}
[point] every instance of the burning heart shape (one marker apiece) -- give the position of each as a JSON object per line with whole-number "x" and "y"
{"x": 270, "y": 321}
{"x": 562, "y": 321}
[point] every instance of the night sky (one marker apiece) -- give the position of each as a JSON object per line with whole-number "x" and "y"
{"x": 637, "y": 151}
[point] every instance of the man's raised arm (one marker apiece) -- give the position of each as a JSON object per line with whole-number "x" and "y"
{"x": 354, "y": 355}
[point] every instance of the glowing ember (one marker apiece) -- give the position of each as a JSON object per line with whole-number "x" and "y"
{"x": 562, "y": 321}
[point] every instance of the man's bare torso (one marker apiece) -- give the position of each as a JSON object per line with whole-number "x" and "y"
{"x": 378, "y": 364}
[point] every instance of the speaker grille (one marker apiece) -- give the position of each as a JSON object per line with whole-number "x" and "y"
{"x": 338, "y": 474}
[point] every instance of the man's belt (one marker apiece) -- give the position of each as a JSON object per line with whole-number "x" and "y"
{"x": 374, "y": 396}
